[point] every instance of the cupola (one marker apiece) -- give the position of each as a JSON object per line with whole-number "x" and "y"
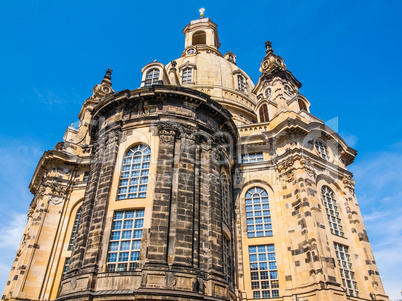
{"x": 201, "y": 34}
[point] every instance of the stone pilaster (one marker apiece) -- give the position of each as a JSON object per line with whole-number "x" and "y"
{"x": 161, "y": 211}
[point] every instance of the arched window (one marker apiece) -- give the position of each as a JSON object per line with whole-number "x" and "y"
{"x": 264, "y": 113}
{"x": 152, "y": 77}
{"x": 322, "y": 149}
{"x": 135, "y": 171}
{"x": 302, "y": 105}
{"x": 199, "y": 38}
{"x": 240, "y": 83}
{"x": 187, "y": 76}
{"x": 75, "y": 230}
{"x": 331, "y": 208}
{"x": 258, "y": 213}
{"x": 225, "y": 201}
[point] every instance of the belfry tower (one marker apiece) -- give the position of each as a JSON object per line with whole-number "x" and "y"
{"x": 197, "y": 185}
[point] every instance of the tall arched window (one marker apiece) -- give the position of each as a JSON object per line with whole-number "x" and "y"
{"x": 152, "y": 77}
{"x": 302, "y": 105}
{"x": 134, "y": 174}
{"x": 331, "y": 208}
{"x": 187, "y": 75}
{"x": 258, "y": 213}
{"x": 75, "y": 230}
{"x": 264, "y": 113}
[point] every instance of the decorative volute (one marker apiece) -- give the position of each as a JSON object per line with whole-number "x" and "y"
{"x": 105, "y": 87}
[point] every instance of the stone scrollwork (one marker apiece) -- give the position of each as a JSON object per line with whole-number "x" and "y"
{"x": 286, "y": 170}
{"x": 287, "y": 167}
{"x": 349, "y": 184}
{"x": 308, "y": 167}
{"x": 167, "y": 131}
{"x": 55, "y": 192}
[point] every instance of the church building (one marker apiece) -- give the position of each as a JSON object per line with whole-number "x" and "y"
{"x": 198, "y": 185}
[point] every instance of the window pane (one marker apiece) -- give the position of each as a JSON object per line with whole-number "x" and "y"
{"x": 119, "y": 256}
{"x": 137, "y": 160}
{"x": 255, "y": 204}
{"x": 264, "y": 271}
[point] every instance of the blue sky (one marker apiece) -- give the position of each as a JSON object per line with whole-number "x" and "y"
{"x": 346, "y": 54}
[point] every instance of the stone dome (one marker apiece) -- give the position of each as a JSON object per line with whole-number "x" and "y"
{"x": 202, "y": 67}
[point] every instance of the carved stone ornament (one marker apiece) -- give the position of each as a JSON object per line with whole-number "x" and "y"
{"x": 167, "y": 131}
{"x": 55, "y": 200}
{"x": 308, "y": 167}
{"x": 287, "y": 167}
{"x": 287, "y": 176}
{"x": 30, "y": 212}
{"x": 286, "y": 170}
{"x": 349, "y": 183}
{"x": 188, "y": 132}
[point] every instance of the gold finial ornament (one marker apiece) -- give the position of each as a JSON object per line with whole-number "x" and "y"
{"x": 202, "y": 12}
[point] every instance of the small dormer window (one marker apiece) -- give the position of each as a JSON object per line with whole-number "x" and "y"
{"x": 240, "y": 83}
{"x": 187, "y": 76}
{"x": 264, "y": 113}
{"x": 191, "y": 51}
{"x": 152, "y": 77}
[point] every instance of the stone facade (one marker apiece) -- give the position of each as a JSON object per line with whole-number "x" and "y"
{"x": 196, "y": 186}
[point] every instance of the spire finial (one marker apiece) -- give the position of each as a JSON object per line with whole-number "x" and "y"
{"x": 105, "y": 87}
{"x": 108, "y": 74}
{"x": 202, "y": 13}
{"x": 268, "y": 46}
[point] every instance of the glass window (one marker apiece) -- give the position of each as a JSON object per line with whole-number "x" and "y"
{"x": 322, "y": 149}
{"x": 134, "y": 175}
{"x": 66, "y": 266}
{"x": 225, "y": 200}
{"x": 187, "y": 76}
{"x": 152, "y": 77}
{"x": 258, "y": 226}
{"x": 253, "y": 157}
{"x": 264, "y": 276}
{"x": 240, "y": 83}
{"x": 125, "y": 244}
{"x": 227, "y": 258}
{"x": 264, "y": 113}
{"x": 75, "y": 229}
{"x": 331, "y": 208}
{"x": 346, "y": 270}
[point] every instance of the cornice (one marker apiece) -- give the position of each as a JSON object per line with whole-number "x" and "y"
{"x": 51, "y": 157}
